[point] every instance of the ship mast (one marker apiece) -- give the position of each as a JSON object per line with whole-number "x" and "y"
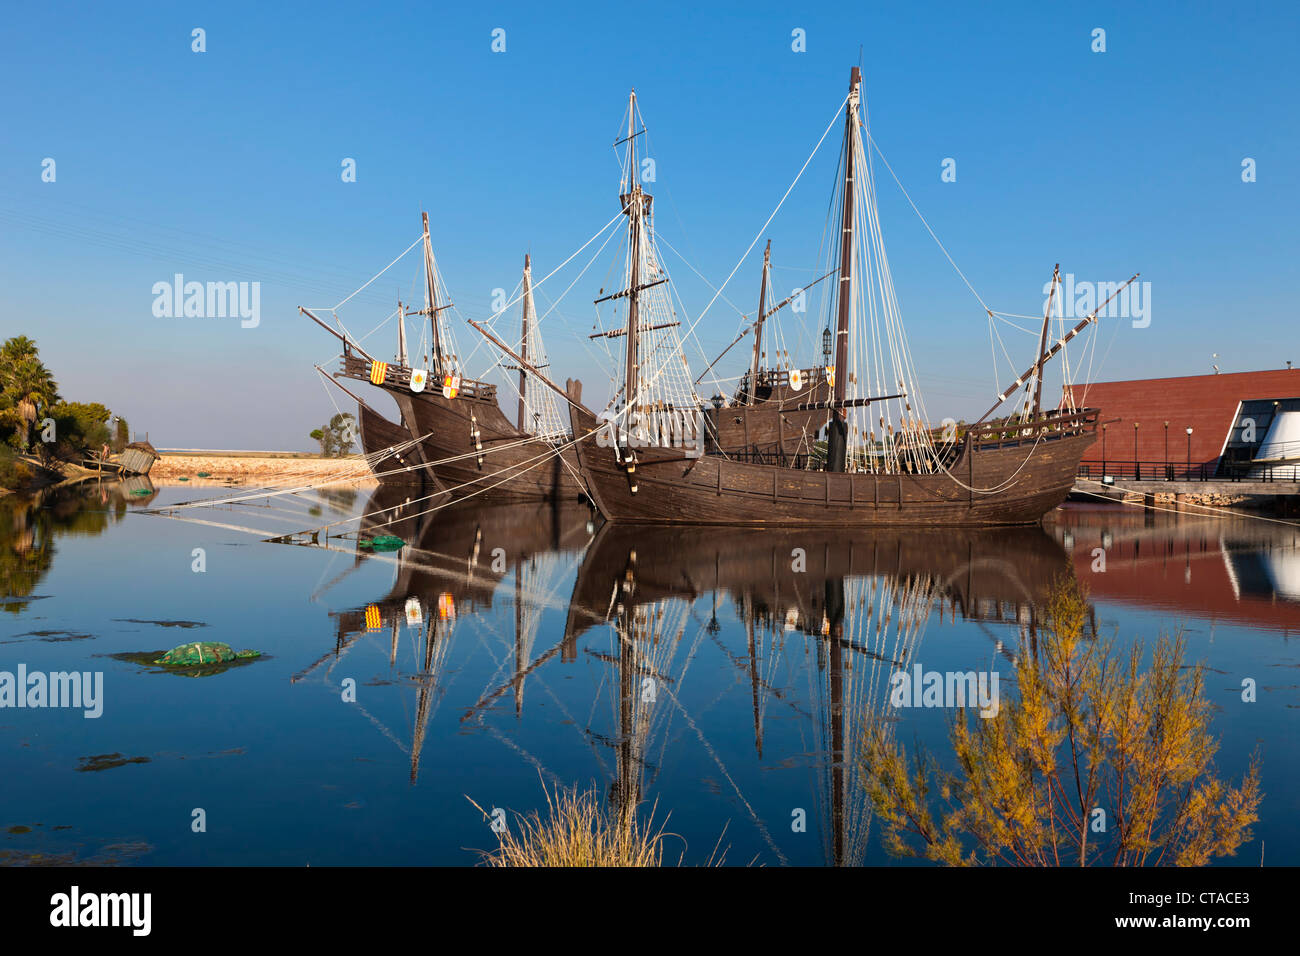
{"x": 837, "y": 431}
{"x": 1042, "y": 344}
{"x": 523, "y": 340}
{"x": 401, "y": 334}
{"x": 632, "y": 207}
{"x": 431, "y": 298}
{"x": 762, "y": 314}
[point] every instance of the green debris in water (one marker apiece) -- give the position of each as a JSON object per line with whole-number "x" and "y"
{"x": 182, "y": 479}
{"x": 205, "y": 474}
{"x": 381, "y": 542}
{"x": 203, "y": 652}
{"x": 140, "y": 492}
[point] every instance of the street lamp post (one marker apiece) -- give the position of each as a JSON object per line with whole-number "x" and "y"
{"x": 1104, "y": 427}
{"x": 1137, "y": 467}
{"x": 1167, "y": 475}
{"x": 1189, "y": 451}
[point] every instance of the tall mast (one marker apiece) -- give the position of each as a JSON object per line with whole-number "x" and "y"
{"x": 1046, "y": 356}
{"x": 1042, "y": 344}
{"x": 762, "y": 314}
{"x": 431, "y": 297}
{"x": 837, "y": 433}
{"x": 523, "y": 340}
{"x": 631, "y": 202}
{"x": 401, "y": 334}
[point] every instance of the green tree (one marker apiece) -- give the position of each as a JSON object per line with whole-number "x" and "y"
{"x": 337, "y": 438}
{"x": 1090, "y": 730}
{"x": 26, "y": 388}
{"x": 80, "y": 427}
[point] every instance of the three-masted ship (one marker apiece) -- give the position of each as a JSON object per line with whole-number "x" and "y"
{"x": 880, "y": 462}
{"x": 456, "y": 433}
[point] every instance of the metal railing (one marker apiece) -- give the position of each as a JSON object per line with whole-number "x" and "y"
{"x": 1130, "y": 470}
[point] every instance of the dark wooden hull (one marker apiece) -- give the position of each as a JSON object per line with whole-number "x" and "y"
{"x": 515, "y": 466}
{"x": 716, "y": 490}
{"x": 378, "y": 434}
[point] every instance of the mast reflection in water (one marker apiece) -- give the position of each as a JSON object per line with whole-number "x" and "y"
{"x": 726, "y": 676}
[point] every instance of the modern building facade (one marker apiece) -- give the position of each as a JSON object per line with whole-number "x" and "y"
{"x": 1233, "y": 424}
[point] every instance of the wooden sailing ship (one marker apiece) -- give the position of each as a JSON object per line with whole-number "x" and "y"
{"x": 460, "y": 436}
{"x": 881, "y": 463}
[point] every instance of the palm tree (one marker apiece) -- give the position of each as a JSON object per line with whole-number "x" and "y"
{"x": 26, "y": 385}
{"x": 16, "y": 349}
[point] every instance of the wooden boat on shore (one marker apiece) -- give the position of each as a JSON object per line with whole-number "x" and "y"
{"x": 881, "y": 464}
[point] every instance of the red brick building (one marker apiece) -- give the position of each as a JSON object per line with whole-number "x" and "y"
{"x": 1228, "y": 414}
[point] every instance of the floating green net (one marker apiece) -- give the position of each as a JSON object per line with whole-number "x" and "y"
{"x": 203, "y": 652}
{"x": 381, "y": 542}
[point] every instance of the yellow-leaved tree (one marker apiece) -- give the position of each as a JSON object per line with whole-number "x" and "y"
{"x": 1101, "y": 758}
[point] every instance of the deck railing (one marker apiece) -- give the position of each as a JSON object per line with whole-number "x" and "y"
{"x": 357, "y": 367}
{"x": 1048, "y": 426}
{"x": 775, "y": 457}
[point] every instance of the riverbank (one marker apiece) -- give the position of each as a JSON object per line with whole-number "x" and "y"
{"x": 221, "y": 468}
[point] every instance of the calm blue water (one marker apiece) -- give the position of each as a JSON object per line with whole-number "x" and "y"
{"x": 712, "y": 696}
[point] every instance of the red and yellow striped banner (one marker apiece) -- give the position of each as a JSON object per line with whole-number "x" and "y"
{"x": 373, "y": 620}
{"x": 378, "y": 372}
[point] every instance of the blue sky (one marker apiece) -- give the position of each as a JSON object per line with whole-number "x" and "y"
{"x": 225, "y": 166}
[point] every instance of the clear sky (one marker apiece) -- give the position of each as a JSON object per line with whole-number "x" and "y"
{"x": 225, "y": 166}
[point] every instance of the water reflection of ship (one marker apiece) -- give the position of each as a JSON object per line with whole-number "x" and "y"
{"x": 453, "y": 566}
{"x": 986, "y": 575}
{"x": 1244, "y": 571}
{"x": 862, "y": 602}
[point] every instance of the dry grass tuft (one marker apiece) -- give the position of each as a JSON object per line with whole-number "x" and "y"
{"x": 579, "y": 831}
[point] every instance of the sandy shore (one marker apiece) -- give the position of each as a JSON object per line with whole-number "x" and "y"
{"x": 222, "y": 468}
